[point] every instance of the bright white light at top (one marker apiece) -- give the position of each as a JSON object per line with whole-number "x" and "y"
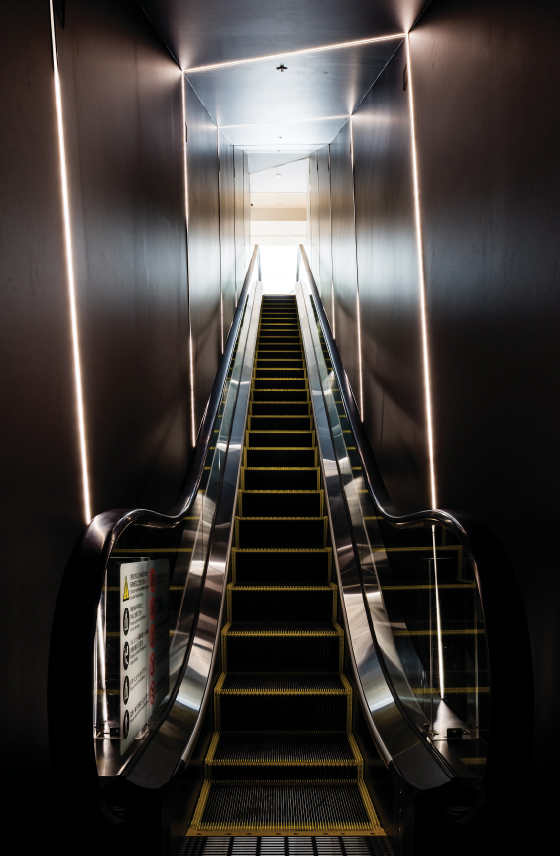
{"x": 337, "y": 46}
{"x": 186, "y": 183}
{"x": 70, "y": 277}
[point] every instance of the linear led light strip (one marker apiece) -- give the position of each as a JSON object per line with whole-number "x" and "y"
{"x": 186, "y": 183}
{"x": 425, "y": 354}
{"x": 220, "y": 243}
{"x": 357, "y": 278}
{"x": 338, "y": 46}
{"x": 70, "y": 276}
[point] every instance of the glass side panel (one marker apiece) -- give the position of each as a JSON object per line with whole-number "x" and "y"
{"x": 150, "y": 601}
{"x": 423, "y": 600}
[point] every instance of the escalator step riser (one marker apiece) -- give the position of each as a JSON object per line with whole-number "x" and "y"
{"x": 280, "y": 408}
{"x": 282, "y": 712}
{"x": 277, "y": 567}
{"x": 287, "y": 362}
{"x": 265, "y": 383}
{"x": 280, "y": 371}
{"x": 280, "y": 504}
{"x": 278, "y": 422}
{"x": 277, "y": 605}
{"x": 296, "y": 533}
{"x": 275, "y": 394}
{"x": 266, "y": 348}
{"x": 275, "y": 457}
{"x": 283, "y": 653}
{"x": 278, "y": 479}
{"x": 284, "y": 439}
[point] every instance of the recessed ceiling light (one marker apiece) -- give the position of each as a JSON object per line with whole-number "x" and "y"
{"x": 278, "y": 175}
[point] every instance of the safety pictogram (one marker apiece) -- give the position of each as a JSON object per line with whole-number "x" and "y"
{"x": 152, "y": 692}
{"x": 126, "y": 595}
{"x": 125, "y": 656}
{"x": 126, "y": 690}
{"x": 152, "y": 635}
{"x": 126, "y": 622}
{"x": 152, "y": 608}
{"x": 152, "y": 579}
{"x": 126, "y": 724}
{"x": 153, "y": 664}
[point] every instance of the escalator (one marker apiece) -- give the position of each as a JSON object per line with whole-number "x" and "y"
{"x": 283, "y": 757}
{"x": 283, "y": 660}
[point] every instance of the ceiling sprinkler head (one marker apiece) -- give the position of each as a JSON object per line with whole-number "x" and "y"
{"x": 281, "y": 67}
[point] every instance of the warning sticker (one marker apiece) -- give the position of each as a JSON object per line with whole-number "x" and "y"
{"x": 134, "y": 650}
{"x": 144, "y": 644}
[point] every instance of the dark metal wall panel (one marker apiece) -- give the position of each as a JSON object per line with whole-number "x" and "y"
{"x": 393, "y": 378}
{"x": 325, "y": 248}
{"x": 227, "y": 232}
{"x": 121, "y": 94}
{"x": 314, "y": 218}
{"x": 203, "y": 248}
{"x": 344, "y": 256}
{"x": 485, "y": 80}
{"x": 41, "y": 505}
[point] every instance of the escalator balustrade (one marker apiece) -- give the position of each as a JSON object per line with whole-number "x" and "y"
{"x": 283, "y": 758}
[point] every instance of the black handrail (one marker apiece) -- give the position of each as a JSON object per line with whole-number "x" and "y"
{"x": 70, "y": 679}
{"x": 509, "y": 652}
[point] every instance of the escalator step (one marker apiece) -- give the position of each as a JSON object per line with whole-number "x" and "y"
{"x": 274, "y": 456}
{"x": 280, "y": 408}
{"x": 279, "y": 531}
{"x": 305, "y": 806}
{"x": 269, "y": 383}
{"x": 267, "y": 566}
{"x": 280, "y": 478}
{"x": 276, "y": 393}
{"x": 293, "y": 372}
{"x": 280, "y": 422}
{"x": 280, "y": 503}
{"x": 261, "y": 756}
{"x": 285, "y": 439}
{"x": 291, "y": 748}
{"x": 282, "y": 647}
{"x": 286, "y": 702}
{"x": 282, "y": 603}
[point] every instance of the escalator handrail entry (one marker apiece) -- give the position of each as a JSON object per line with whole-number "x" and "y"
{"x": 509, "y": 650}
{"x": 70, "y": 675}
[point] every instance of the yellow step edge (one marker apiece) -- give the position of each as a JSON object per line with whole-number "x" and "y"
{"x": 277, "y": 692}
{"x": 330, "y": 633}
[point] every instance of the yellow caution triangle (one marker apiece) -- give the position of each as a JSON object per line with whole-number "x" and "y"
{"x": 126, "y": 595}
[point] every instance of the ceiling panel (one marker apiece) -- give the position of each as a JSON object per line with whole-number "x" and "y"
{"x": 315, "y": 85}
{"x": 313, "y": 134}
{"x": 220, "y": 30}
